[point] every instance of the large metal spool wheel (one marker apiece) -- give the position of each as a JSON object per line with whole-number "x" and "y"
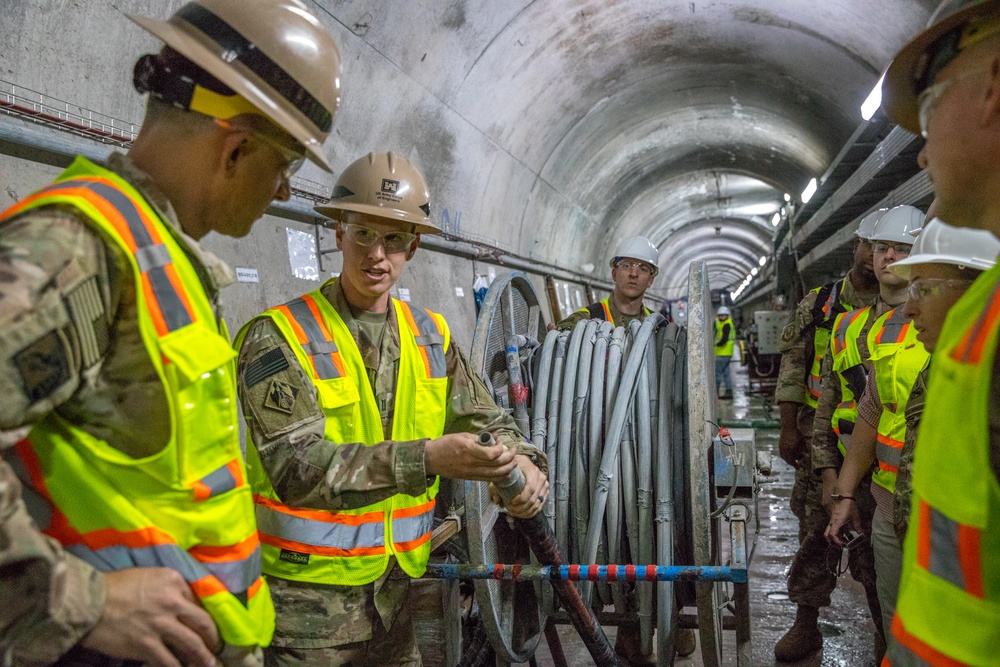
{"x": 511, "y": 613}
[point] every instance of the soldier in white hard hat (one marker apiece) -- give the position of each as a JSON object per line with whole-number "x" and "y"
{"x": 633, "y": 268}
{"x": 117, "y": 389}
{"x": 355, "y": 404}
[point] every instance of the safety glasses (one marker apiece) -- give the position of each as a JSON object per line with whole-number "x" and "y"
{"x": 292, "y": 157}
{"x": 366, "y": 237}
{"x": 930, "y": 95}
{"x": 929, "y": 288}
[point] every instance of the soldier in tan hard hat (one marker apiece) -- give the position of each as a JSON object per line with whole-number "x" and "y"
{"x": 118, "y": 410}
{"x": 356, "y": 403}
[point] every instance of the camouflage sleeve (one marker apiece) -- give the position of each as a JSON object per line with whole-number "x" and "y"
{"x": 51, "y": 599}
{"x": 869, "y": 405}
{"x": 825, "y": 453}
{"x": 791, "y": 386}
{"x": 568, "y": 323}
{"x": 286, "y": 425}
{"x": 55, "y": 295}
{"x": 471, "y": 409}
{"x": 904, "y": 474}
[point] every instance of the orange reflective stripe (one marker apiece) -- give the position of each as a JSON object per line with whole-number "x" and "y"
{"x": 299, "y": 333}
{"x": 321, "y": 515}
{"x": 207, "y": 586}
{"x": 413, "y": 544}
{"x": 925, "y": 652}
{"x": 411, "y": 323}
{"x": 924, "y": 535}
{"x": 970, "y": 349}
{"x": 416, "y": 510}
{"x": 205, "y": 553}
{"x": 291, "y": 545}
{"x": 970, "y": 560}
{"x": 254, "y": 588}
{"x": 335, "y": 357}
{"x": 607, "y": 311}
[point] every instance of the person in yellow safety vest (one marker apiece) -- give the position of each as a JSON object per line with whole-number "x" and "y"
{"x": 897, "y": 358}
{"x": 725, "y": 342}
{"x": 355, "y": 404}
{"x": 945, "y": 84}
{"x": 633, "y": 268}
{"x": 118, "y": 412}
{"x": 804, "y": 342}
{"x": 811, "y": 580}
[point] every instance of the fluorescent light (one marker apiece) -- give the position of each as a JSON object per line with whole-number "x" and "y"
{"x": 763, "y": 260}
{"x": 775, "y": 219}
{"x": 732, "y": 296}
{"x": 809, "y": 191}
{"x": 874, "y": 100}
{"x": 788, "y": 197}
{"x": 753, "y": 271}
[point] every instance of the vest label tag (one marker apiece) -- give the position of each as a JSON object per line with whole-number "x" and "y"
{"x": 294, "y": 557}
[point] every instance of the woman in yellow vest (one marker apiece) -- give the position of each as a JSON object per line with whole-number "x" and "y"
{"x": 120, "y": 370}
{"x": 355, "y": 404}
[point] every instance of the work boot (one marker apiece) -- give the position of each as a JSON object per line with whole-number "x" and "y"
{"x": 685, "y": 642}
{"x": 802, "y": 639}
{"x": 628, "y": 646}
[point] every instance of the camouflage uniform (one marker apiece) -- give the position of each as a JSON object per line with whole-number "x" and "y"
{"x": 904, "y": 474}
{"x": 71, "y": 343}
{"x": 621, "y": 319}
{"x": 811, "y": 579}
{"x": 349, "y": 623}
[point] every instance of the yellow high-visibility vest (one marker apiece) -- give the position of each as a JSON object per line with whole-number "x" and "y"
{"x": 846, "y": 355}
{"x": 948, "y": 612}
{"x": 187, "y": 507}
{"x": 725, "y": 349}
{"x": 897, "y": 358}
{"x": 353, "y": 546}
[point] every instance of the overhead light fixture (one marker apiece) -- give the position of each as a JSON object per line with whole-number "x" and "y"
{"x": 874, "y": 100}
{"x": 810, "y": 190}
{"x": 775, "y": 219}
{"x": 763, "y": 260}
{"x": 753, "y": 271}
{"x": 733, "y": 295}
{"x": 788, "y": 197}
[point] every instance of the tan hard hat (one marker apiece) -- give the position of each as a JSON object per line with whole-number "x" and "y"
{"x": 273, "y": 53}
{"x": 914, "y": 67}
{"x": 383, "y": 185}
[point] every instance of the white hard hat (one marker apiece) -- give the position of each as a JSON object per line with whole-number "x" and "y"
{"x": 723, "y": 310}
{"x": 637, "y": 247}
{"x": 896, "y": 224}
{"x": 940, "y": 243}
{"x": 867, "y": 224}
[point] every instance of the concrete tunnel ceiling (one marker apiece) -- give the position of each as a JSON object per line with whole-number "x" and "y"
{"x": 664, "y": 118}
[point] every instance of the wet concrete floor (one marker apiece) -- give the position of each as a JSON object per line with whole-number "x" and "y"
{"x": 846, "y": 625}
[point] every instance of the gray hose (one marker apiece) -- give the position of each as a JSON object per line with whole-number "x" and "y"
{"x": 541, "y": 393}
{"x": 578, "y": 477}
{"x": 642, "y": 545}
{"x": 565, "y": 433}
{"x": 665, "y": 493}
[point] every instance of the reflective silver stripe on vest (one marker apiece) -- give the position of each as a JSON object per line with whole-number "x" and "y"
{"x": 431, "y": 341}
{"x": 900, "y": 656}
{"x": 944, "y": 562}
{"x": 236, "y": 576}
{"x": 815, "y": 385}
{"x": 845, "y": 439}
{"x": 319, "y": 533}
{"x": 318, "y": 347}
{"x": 413, "y": 527}
{"x": 887, "y": 454}
{"x": 220, "y": 481}
{"x": 892, "y": 328}
{"x": 175, "y": 313}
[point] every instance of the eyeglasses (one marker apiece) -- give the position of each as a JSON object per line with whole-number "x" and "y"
{"x": 366, "y": 237}
{"x": 929, "y": 288}
{"x": 900, "y": 249}
{"x": 293, "y": 158}
{"x": 931, "y": 94}
{"x": 642, "y": 267}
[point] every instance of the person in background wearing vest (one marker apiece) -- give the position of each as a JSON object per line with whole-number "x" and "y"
{"x": 118, "y": 402}
{"x": 725, "y": 341}
{"x": 945, "y": 84}
{"x": 896, "y": 357}
{"x": 633, "y": 268}
{"x": 804, "y": 343}
{"x": 355, "y": 404}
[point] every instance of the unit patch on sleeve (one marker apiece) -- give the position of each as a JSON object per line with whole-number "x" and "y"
{"x": 43, "y": 366}
{"x": 281, "y": 396}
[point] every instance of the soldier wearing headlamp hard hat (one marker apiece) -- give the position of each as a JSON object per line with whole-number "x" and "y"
{"x": 118, "y": 401}
{"x": 945, "y": 84}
